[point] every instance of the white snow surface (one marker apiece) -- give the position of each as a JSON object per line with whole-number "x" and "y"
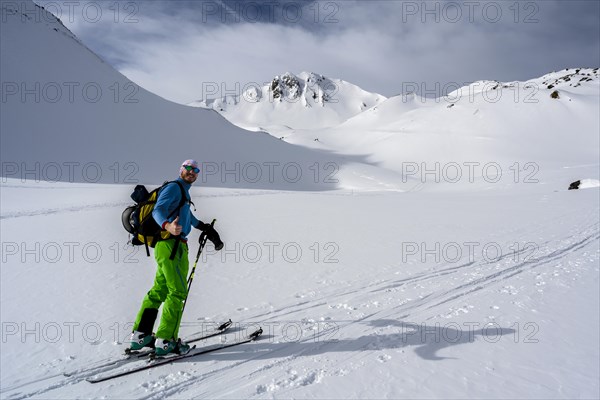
{"x": 377, "y": 274}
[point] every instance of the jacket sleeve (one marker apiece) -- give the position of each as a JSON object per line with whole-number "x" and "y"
{"x": 167, "y": 201}
{"x": 196, "y": 223}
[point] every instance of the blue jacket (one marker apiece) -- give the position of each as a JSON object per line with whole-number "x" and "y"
{"x": 168, "y": 200}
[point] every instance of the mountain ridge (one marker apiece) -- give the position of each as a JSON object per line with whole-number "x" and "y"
{"x": 314, "y": 100}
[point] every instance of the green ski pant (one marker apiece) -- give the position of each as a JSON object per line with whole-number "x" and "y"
{"x": 170, "y": 288}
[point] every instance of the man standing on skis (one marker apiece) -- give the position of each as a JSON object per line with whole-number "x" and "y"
{"x": 170, "y": 284}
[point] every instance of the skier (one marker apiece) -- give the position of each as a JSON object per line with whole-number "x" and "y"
{"x": 170, "y": 286}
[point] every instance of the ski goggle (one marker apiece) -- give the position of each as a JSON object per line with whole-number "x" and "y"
{"x": 191, "y": 168}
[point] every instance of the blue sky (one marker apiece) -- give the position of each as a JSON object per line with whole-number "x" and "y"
{"x": 180, "y": 49}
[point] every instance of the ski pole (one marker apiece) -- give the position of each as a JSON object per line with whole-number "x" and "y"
{"x": 202, "y": 240}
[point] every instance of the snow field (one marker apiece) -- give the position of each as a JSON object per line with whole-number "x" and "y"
{"x": 379, "y": 319}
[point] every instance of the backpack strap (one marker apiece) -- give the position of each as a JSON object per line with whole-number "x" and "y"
{"x": 181, "y": 203}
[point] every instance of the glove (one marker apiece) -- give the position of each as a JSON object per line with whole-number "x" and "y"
{"x": 211, "y": 234}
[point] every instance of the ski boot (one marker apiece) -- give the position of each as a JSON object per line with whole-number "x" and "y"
{"x": 165, "y": 346}
{"x": 139, "y": 340}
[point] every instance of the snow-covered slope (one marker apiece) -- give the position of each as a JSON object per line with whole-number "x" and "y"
{"x": 407, "y": 295}
{"x": 517, "y": 128}
{"x": 68, "y": 116}
{"x": 550, "y": 122}
{"x": 304, "y": 101}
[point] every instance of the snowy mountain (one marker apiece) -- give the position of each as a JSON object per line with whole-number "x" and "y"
{"x": 304, "y": 101}
{"x": 551, "y": 121}
{"x": 79, "y": 120}
{"x": 429, "y": 249}
{"x": 545, "y": 121}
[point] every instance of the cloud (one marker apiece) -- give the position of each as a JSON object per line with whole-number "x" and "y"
{"x": 178, "y": 49}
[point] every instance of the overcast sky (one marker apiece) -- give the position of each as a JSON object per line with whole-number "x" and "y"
{"x": 182, "y": 50}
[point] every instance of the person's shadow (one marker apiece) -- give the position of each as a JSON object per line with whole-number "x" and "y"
{"x": 427, "y": 340}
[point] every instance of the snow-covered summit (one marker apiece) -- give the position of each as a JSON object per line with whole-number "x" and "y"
{"x": 311, "y": 89}
{"x": 304, "y": 101}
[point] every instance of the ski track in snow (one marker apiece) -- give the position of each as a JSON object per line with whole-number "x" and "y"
{"x": 61, "y": 210}
{"x": 550, "y": 253}
{"x": 119, "y": 204}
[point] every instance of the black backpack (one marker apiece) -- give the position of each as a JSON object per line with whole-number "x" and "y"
{"x": 138, "y": 220}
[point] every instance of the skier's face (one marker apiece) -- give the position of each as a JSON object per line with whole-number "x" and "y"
{"x": 189, "y": 176}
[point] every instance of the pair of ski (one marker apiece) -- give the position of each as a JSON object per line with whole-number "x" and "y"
{"x": 130, "y": 355}
{"x": 152, "y": 355}
{"x": 159, "y": 361}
